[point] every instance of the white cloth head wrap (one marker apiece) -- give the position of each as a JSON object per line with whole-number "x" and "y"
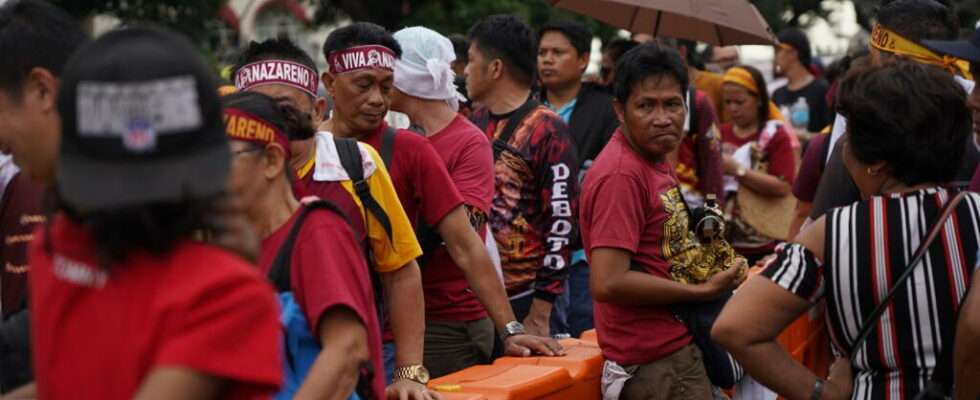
{"x": 423, "y": 69}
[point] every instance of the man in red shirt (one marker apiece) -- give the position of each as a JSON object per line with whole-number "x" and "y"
{"x": 328, "y": 274}
{"x": 634, "y": 227}
{"x": 392, "y": 256}
{"x": 461, "y": 284}
{"x": 124, "y": 302}
{"x": 533, "y": 211}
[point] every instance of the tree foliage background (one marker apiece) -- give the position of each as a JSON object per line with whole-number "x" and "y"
{"x": 192, "y": 17}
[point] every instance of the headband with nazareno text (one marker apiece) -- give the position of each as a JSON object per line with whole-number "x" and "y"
{"x": 891, "y": 42}
{"x": 277, "y": 71}
{"x": 245, "y": 126}
{"x": 361, "y": 58}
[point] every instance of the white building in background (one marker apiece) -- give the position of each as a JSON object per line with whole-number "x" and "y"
{"x": 241, "y": 21}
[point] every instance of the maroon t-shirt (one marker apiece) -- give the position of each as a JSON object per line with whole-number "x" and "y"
{"x": 335, "y": 192}
{"x": 468, "y": 158}
{"x": 778, "y": 149}
{"x": 426, "y": 191}
{"x": 633, "y": 204}
{"x": 20, "y": 212}
{"x": 328, "y": 270}
{"x": 811, "y": 169}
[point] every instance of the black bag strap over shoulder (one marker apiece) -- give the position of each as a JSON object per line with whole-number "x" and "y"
{"x": 387, "y": 145}
{"x": 500, "y": 144}
{"x": 350, "y": 158}
{"x": 937, "y": 225}
{"x": 279, "y": 272}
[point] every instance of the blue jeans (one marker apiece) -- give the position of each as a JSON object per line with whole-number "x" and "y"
{"x": 388, "y": 350}
{"x": 573, "y": 309}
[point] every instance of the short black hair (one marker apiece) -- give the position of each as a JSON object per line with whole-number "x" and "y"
{"x": 617, "y": 47}
{"x": 579, "y": 35}
{"x": 693, "y": 58}
{"x": 35, "y": 34}
{"x": 912, "y": 116}
{"x": 647, "y": 59}
{"x": 510, "y": 39}
{"x": 919, "y": 20}
{"x": 280, "y": 48}
{"x": 461, "y": 46}
{"x": 360, "y": 34}
{"x": 284, "y": 117}
{"x": 799, "y": 41}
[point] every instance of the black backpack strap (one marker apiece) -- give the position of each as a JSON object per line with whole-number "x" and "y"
{"x": 500, "y": 144}
{"x": 279, "y": 272}
{"x": 350, "y": 158}
{"x": 387, "y": 145}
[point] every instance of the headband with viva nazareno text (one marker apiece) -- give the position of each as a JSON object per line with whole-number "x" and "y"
{"x": 277, "y": 71}
{"x": 361, "y": 58}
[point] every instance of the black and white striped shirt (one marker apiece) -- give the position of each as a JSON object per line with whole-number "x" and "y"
{"x": 867, "y": 246}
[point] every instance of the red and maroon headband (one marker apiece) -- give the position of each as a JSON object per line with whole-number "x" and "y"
{"x": 277, "y": 71}
{"x": 361, "y": 58}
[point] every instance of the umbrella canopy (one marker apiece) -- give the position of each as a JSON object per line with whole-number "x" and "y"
{"x": 719, "y": 22}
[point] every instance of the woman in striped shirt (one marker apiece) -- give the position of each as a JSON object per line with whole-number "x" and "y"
{"x": 907, "y": 129}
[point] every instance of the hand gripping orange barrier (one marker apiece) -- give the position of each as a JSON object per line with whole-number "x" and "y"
{"x": 508, "y": 382}
{"x": 583, "y": 361}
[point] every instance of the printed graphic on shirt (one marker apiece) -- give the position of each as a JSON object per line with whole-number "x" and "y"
{"x": 532, "y": 213}
{"x": 678, "y": 245}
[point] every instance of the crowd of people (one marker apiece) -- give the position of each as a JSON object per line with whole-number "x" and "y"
{"x": 169, "y": 235}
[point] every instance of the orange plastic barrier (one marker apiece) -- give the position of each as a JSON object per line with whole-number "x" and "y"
{"x": 583, "y": 361}
{"x": 462, "y": 396}
{"x": 589, "y": 336}
{"x": 509, "y": 382}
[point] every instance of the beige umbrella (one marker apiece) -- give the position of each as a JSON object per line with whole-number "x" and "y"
{"x": 719, "y": 22}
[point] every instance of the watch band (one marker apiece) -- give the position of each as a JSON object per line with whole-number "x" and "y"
{"x": 818, "y": 389}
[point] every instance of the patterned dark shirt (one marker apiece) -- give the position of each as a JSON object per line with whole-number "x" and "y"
{"x": 534, "y": 208}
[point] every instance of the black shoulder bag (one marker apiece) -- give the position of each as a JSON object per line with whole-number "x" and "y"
{"x": 500, "y": 143}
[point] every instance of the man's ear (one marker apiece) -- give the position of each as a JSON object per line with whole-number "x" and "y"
{"x": 618, "y": 107}
{"x": 319, "y": 111}
{"x": 42, "y": 86}
{"x": 328, "y": 82}
{"x": 583, "y": 61}
{"x": 275, "y": 161}
{"x": 495, "y": 69}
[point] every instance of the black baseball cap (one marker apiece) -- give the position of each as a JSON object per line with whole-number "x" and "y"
{"x": 798, "y": 40}
{"x": 141, "y": 123}
{"x": 962, "y": 49}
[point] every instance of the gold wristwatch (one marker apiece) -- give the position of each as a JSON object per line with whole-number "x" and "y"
{"x": 416, "y": 373}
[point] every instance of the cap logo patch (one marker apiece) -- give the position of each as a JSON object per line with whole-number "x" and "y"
{"x": 137, "y": 112}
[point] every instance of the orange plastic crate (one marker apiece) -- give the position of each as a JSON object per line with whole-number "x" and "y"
{"x": 462, "y": 396}
{"x": 589, "y": 336}
{"x": 507, "y": 382}
{"x": 583, "y": 361}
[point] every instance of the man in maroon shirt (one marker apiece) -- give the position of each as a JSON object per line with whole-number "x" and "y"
{"x": 459, "y": 291}
{"x": 635, "y": 227}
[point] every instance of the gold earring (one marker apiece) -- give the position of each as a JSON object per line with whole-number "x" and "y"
{"x": 872, "y": 172}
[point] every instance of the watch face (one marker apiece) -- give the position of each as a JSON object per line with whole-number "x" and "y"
{"x": 422, "y": 374}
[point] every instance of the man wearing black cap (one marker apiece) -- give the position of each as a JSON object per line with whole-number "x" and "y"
{"x": 120, "y": 292}
{"x": 966, "y": 359}
{"x": 793, "y": 57}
